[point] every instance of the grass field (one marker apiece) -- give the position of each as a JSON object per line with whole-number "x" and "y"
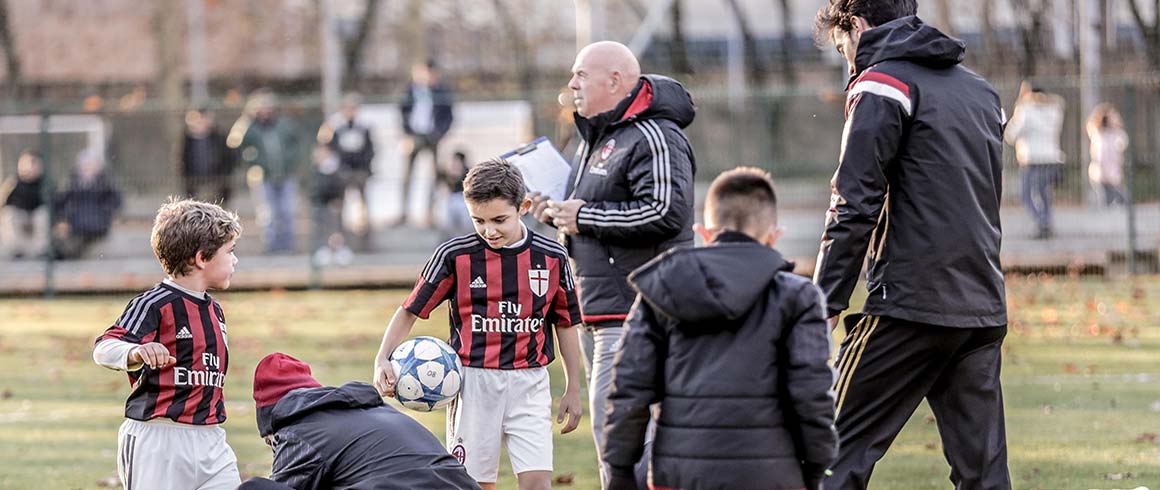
{"x": 1081, "y": 374}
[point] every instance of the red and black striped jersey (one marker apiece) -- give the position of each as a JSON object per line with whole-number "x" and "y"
{"x": 194, "y": 331}
{"x": 504, "y": 303}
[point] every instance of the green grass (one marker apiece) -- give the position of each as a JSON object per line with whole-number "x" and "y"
{"x": 1077, "y": 414}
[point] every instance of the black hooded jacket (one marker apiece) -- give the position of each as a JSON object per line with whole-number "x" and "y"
{"x": 734, "y": 348}
{"x": 918, "y": 184}
{"x": 347, "y": 438}
{"x": 634, "y": 169}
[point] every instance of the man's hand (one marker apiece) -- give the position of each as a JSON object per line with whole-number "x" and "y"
{"x": 563, "y": 214}
{"x": 153, "y": 354}
{"x": 569, "y": 408}
{"x": 832, "y": 322}
{"x": 384, "y": 377}
{"x": 539, "y": 207}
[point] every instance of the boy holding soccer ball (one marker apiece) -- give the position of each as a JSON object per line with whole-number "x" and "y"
{"x": 733, "y": 346}
{"x": 510, "y": 293}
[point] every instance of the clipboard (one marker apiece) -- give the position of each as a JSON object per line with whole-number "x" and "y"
{"x": 545, "y": 170}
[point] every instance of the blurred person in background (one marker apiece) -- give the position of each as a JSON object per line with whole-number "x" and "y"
{"x": 1034, "y": 130}
{"x": 427, "y": 116}
{"x": 270, "y": 144}
{"x": 1105, "y": 129}
{"x": 86, "y": 207}
{"x": 206, "y": 161}
{"x": 350, "y": 139}
{"x": 456, "y": 220}
{"x": 328, "y": 189}
{"x": 24, "y": 218}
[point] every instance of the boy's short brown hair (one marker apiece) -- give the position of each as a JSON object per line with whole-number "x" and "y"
{"x": 742, "y": 199}
{"x": 494, "y": 179}
{"x": 184, "y": 227}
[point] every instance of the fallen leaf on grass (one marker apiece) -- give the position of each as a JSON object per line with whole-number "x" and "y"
{"x": 6, "y": 394}
{"x": 1070, "y": 368}
{"x": 1147, "y": 437}
{"x": 930, "y": 446}
{"x": 564, "y": 479}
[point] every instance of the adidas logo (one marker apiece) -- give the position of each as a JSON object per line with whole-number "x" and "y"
{"x": 478, "y": 283}
{"x": 184, "y": 333}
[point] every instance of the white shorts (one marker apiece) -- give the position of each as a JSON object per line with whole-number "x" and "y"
{"x": 510, "y": 407}
{"x": 165, "y": 455}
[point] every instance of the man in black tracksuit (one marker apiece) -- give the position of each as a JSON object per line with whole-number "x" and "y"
{"x": 630, "y": 193}
{"x": 916, "y": 195}
{"x": 343, "y": 437}
{"x": 734, "y": 347}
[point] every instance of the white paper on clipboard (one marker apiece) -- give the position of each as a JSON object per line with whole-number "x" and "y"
{"x": 545, "y": 169}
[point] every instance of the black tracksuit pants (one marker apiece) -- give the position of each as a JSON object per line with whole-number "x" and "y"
{"x": 886, "y": 366}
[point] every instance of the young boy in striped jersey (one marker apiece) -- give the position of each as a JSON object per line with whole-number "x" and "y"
{"x": 509, "y": 292}
{"x": 171, "y": 340}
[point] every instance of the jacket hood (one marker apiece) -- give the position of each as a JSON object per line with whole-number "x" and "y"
{"x": 304, "y": 401}
{"x": 721, "y": 281}
{"x": 654, "y": 97}
{"x": 909, "y": 39}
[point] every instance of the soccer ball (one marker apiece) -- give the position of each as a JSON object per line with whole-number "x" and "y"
{"x": 428, "y": 373}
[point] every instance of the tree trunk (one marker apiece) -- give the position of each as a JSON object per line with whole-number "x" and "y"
{"x": 752, "y": 60}
{"x": 637, "y": 8}
{"x": 678, "y": 52}
{"x": 10, "y": 54}
{"x": 1031, "y": 34}
{"x": 945, "y": 18}
{"x": 990, "y": 44}
{"x": 355, "y": 48}
{"x": 788, "y": 69}
{"x": 1150, "y": 33}
{"x": 520, "y": 54}
{"x": 168, "y": 21}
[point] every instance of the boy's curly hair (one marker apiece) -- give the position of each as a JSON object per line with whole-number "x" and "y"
{"x": 183, "y": 227}
{"x": 839, "y": 14}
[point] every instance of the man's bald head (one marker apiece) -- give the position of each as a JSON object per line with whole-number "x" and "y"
{"x": 605, "y": 73}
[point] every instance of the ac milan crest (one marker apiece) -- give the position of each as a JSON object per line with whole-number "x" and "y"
{"x": 538, "y": 280}
{"x": 459, "y": 453}
{"x": 607, "y": 150}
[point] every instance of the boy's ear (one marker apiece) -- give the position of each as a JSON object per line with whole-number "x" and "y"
{"x": 705, "y": 233}
{"x": 772, "y": 235}
{"x": 199, "y": 260}
{"x": 525, "y": 206}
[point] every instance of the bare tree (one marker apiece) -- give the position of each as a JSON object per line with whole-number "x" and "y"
{"x": 10, "y": 54}
{"x": 354, "y": 48}
{"x": 788, "y": 70}
{"x": 752, "y": 60}
{"x": 1031, "y": 30}
{"x": 637, "y": 8}
{"x": 945, "y": 18}
{"x": 168, "y": 23}
{"x": 678, "y": 51}
{"x": 1150, "y": 32}
{"x": 990, "y": 43}
{"x": 519, "y": 45}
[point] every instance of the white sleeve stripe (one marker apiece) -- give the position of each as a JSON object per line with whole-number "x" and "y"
{"x": 662, "y": 188}
{"x": 436, "y": 264}
{"x": 882, "y": 90}
{"x": 135, "y": 306}
{"x": 135, "y": 322}
{"x": 660, "y": 177}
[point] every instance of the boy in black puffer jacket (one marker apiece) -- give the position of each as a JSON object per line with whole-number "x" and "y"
{"x": 733, "y": 347}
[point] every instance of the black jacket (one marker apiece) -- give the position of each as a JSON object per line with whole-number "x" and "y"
{"x": 220, "y": 159}
{"x": 346, "y": 438}
{"x": 634, "y": 168}
{"x": 442, "y": 98}
{"x": 89, "y": 206}
{"x": 918, "y": 184}
{"x": 734, "y": 348}
{"x": 353, "y": 144}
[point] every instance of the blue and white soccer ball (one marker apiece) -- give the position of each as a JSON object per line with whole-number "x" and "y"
{"x": 428, "y": 373}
